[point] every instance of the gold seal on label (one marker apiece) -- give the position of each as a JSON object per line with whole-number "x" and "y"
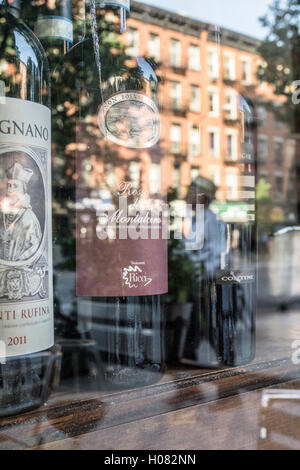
{"x": 130, "y": 119}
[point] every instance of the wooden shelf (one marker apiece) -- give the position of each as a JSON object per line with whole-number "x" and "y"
{"x": 190, "y": 408}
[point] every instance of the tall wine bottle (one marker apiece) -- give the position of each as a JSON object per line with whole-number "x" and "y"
{"x": 223, "y": 292}
{"x": 26, "y": 295}
{"x": 108, "y": 126}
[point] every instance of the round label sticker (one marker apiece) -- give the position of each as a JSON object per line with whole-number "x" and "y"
{"x": 130, "y": 119}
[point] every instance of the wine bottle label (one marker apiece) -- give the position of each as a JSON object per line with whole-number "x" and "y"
{"x": 54, "y": 27}
{"x": 130, "y": 119}
{"x": 121, "y": 241}
{"x": 115, "y": 3}
{"x": 26, "y": 310}
{"x": 235, "y": 277}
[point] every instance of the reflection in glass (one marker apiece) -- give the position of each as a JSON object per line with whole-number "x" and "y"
{"x": 109, "y": 149}
{"x": 222, "y": 126}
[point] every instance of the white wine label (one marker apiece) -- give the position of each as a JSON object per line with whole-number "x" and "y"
{"x": 55, "y": 27}
{"x": 115, "y": 3}
{"x": 130, "y": 119}
{"x": 26, "y": 292}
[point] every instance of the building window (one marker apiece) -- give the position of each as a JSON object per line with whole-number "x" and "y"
{"x": 195, "y": 103}
{"x": 262, "y": 148}
{"x": 194, "y": 58}
{"x": 231, "y": 105}
{"x": 155, "y": 178}
{"x": 213, "y": 64}
{"x": 232, "y": 189}
{"x": 278, "y": 118}
{"x": 214, "y": 143}
{"x": 231, "y": 146}
{"x": 133, "y": 42}
{"x": 278, "y": 151}
{"x": 176, "y": 138}
{"x": 175, "y": 53}
{"x": 246, "y": 72}
{"x": 215, "y": 174}
{"x": 262, "y": 115}
{"x": 248, "y": 145}
{"x": 194, "y": 142}
{"x": 229, "y": 67}
{"x": 213, "y": 97}
{"x": 176, "y": 176}
{"x": 176, "y": 95}
{"x": 279, "y": 185}
{"x": 154, "y": 46}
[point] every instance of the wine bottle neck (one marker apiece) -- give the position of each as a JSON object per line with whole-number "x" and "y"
{"x": 55, "y": 23}
{"x": 63, "y": 9}
{"x": 94, "y": 6}
{"x": 108, "y": 3}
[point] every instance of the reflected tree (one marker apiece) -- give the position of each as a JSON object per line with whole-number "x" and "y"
{"x": 281, "y": 68}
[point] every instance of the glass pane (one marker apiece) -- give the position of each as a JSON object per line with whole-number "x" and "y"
{"x": 150, "y": 219}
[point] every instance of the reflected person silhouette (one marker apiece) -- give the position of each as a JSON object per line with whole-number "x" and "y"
{"x": 202, "y": 344}
{"x": 222, "y": 328}
{"x": 212, "y": 310}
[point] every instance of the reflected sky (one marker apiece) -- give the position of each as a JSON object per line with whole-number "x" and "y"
{"x": 233, "y": 14}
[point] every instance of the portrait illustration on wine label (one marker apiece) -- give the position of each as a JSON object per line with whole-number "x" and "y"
{"x": 23, "y": 266}
{"x": 130, "y": 119}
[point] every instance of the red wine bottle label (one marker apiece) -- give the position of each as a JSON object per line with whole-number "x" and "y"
{"x": 26, "y": 306}
{"x": 54, "y": 27}
{"x": 115, "y": 3}
{"x": 121, "y": 233}
{"x": 130, "y": 119}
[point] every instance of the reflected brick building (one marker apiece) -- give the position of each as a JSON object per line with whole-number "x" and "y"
{"x": 209, "y": 89}
{"x": 209, "y": 80}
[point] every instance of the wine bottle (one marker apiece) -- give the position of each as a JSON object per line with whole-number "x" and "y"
{"x": 223, "y": 293}
{"x": 108, "y": 127}
{"x": 26, "y": 294}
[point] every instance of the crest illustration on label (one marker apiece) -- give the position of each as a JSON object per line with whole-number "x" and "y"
{"x": 130, "y": 119}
